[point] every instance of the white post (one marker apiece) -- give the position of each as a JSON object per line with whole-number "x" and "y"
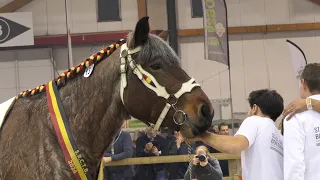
{"x": 70, "y": 60}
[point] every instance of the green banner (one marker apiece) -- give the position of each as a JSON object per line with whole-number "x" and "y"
{"x": 135, "y": 123}
{"x": 215, "y": 23}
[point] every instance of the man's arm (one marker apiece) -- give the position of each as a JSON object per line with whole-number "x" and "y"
{"x": 299, "y": 105}
{"x": 243, "y": 139}
{"x": 226, "y": 144}
{"x": 127, "y": 148}
{"x": 294, "y": 140}
{"x": 315, "y": 105}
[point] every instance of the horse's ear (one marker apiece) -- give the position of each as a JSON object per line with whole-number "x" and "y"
{"x": 164, "y": 35}
{"x": 141, "y": 32}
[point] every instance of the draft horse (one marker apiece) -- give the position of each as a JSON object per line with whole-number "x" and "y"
{"x": 139, "y": 76}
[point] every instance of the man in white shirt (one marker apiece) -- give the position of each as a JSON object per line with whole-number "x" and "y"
{"x": 302, "y": 132}
{"x": 258, "y": 139}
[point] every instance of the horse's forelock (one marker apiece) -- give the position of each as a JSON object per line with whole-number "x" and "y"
{"x": 154, "y": 47}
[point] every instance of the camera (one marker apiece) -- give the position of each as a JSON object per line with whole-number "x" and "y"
{"x": 201, "y": 157}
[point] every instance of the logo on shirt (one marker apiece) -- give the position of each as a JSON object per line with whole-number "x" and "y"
{"x": 317, "y": 135}
{"x": 276, "y": 144}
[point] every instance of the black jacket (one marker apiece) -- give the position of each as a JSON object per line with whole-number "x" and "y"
{"x": 149, "y": 171}
{"x": 177, "y": 170}
{"x": 122, "y": 150}
{"x": 212, "y": 171}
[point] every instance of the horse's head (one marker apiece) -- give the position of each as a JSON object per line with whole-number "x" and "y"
{"x": 156, "y": 90}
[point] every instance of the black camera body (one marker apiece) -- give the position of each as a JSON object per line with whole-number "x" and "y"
{"x": 201, "y": 157}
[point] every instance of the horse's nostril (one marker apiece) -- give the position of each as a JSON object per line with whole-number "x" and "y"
{"x": 205, "y": 111}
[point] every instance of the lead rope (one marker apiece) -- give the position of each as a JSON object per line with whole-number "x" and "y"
{"x": 190, "y": 160}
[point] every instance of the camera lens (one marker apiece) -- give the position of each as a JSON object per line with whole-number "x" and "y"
{"x": 202, "y": 157}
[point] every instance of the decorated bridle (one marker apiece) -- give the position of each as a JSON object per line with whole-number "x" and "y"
{"x": 150, "y": 82}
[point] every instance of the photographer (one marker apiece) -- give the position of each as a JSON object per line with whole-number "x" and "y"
{"x": 204, "y": 167}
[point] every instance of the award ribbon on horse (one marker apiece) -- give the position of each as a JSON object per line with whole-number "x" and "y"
{"x": 62, "y": 128}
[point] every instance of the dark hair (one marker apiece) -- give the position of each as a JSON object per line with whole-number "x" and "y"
{"x": 311, "y": 75}
{"x": 269, "y": 102}
{"x": 222, "y": 124}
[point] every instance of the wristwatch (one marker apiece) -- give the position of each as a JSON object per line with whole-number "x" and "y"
{"x": 308, "y": 103}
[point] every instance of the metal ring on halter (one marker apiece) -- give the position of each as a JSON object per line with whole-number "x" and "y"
{"x": 173, "y": 101}
{"x": 184, "y": 117}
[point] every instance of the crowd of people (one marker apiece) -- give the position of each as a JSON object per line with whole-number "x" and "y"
{"x": 267, "y": 152}
{"x": 151, "y": 143}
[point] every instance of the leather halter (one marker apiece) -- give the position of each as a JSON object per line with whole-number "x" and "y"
{"x": 171, "y": 99}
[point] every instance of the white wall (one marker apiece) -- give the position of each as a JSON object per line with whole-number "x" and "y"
{"x": 23, "y": 69}
{"x": 4, "y": 2}
{"x": 157, "y": 11}
{"x": 8, "y": 77}
{"x": 257, "y": 60}
{"x": 49, "y": 16}
{"x": 79, "y": 53}
{"x": 256, "y": 12}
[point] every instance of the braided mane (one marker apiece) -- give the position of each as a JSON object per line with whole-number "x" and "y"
{"x": 72, "y": 72}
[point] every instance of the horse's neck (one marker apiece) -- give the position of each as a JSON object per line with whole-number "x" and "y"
{"x": 94, "y": 108}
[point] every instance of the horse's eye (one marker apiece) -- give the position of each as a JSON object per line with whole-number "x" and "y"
{"x": 155, "y": 66}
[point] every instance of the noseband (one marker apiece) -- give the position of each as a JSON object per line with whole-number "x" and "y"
{"x": 150, "y": 82}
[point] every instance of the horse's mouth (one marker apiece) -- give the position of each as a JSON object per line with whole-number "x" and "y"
{"x": 189, "y": 130}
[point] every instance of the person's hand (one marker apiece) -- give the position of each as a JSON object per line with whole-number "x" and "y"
{"x": 296, "y": 106}
{"x": 155, "y": 151}
{"x": 148, "y": 147}
{"x": 195, "y": 161}
{"x": 180, "y": 140}
{"x": 203, "y": 164}
{"x": 107, "y": 159}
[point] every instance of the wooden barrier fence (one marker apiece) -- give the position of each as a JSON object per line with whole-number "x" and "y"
{"x": 234, "y": 162}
